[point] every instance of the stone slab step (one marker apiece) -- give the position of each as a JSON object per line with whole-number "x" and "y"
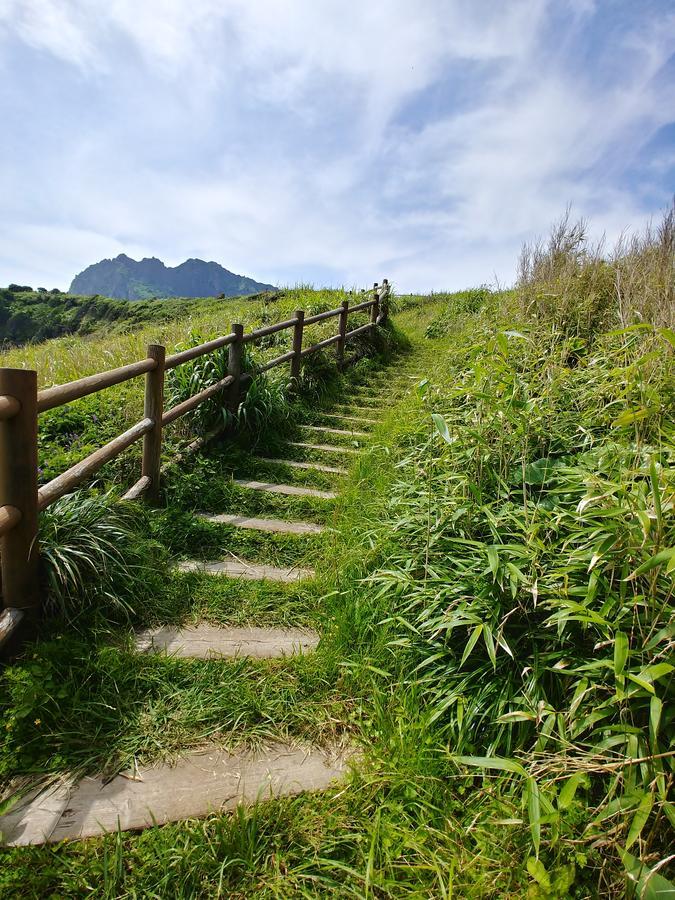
{"x": 329, "y": 448}
{"x": 374, "y": 407}
{"x": 278, "y": 525}
{"x": 201, "y": 783}
{"x": 295, "y": 464}
{"x": 291, "y": 490}
{"x": 358, "y": 419}
{"x": 237, "y": 568}
{"x": 206, "y": 641}
{"x": 348, "y": 432}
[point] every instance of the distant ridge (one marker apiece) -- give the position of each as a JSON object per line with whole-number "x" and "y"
{"x": 127, "y": 279}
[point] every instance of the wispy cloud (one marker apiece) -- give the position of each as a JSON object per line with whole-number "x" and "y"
{"x": 337, "y": 141}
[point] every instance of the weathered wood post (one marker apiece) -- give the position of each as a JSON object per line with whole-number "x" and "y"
{"x": 342, "y": 331}
{"x": 153, "y": 409}
{"x": 384, "y": 302}
{"x": 234, "y": 368}
{"x": 18, "y": 489}
{"x": 375, "y": 309}
{"x": 296, "y": 361}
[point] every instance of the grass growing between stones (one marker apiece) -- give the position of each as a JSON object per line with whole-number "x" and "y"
{"x": 495, "y": 598}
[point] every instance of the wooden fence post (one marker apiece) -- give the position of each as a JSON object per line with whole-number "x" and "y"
{"x": 18, "y": 489}
{"x": 375, "y": 309}
{"x": 384, "y": 302}
{"x": 342, "y": 331}
{"x": 234, "y": 368}
{"x": 153, "y": 409}
{"x": 297, "y": 345}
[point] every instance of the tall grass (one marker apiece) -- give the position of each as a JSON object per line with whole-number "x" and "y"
{"x": 530, "y": 585}
{"x": 584, "y": 289}
{"x": 94, "y": 556}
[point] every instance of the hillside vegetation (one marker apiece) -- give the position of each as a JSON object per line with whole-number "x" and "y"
{"x": 496, "y": 595}
{"x": 31, "y": 317}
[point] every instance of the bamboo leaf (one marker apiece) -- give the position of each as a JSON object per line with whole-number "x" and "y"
{"x": 517, "y": 716}
{"x": 475, "y": 634}
{"x": 501, "y": 763}
{"x": 441, "y": 427}
{"x": 534, "y": 813}
{"x": 493, "y": 560}
{"x": 490, "y": 645}
{"x": 640, "y": 819}
{"x": 663, "y": 556}
{"x": 569, "y": 790}
{"x": 647, "y": 884}
{"x": 634, "y": 415}
{"x": 655, "y": 707}
{"x": 620, "y": 652}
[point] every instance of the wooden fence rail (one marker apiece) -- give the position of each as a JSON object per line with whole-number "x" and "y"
{"x": 21, "y": 403}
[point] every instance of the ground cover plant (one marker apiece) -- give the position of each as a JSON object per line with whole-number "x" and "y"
{"x": 495, "y": 596}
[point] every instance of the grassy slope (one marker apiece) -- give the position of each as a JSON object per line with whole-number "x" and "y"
{"x": 32, "y": 317}
{"x": 323, "y": 845}
{"x": 70, "y": 433}
{"x": 407, "y": 824}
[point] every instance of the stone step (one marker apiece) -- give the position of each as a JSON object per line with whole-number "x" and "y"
{"x": 199, "y": 784}
{"x": 327, "y": 448}
{"x": 291, "y": 490}
{"x": 355, "y": 406}
{"x": 346, "y": 431}
{"x": 206, "y": 641}
{"x": 278, "y": 525}
{"x": 375, "y": 403}
{"x": 295, "y": 464}
{"x": 236, "y": 568}
{"x": 358, "y": 419}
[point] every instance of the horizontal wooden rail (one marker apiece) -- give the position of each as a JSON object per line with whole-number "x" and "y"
{"x": 268, "y": 329}
{"x": 193, "y": 402}
{"x": 136, "y": 490}
{"x": 9, "y": 517}
{"x": 9, "y": 407}
{"x": 277, "y": 361}
{"x": 365, "y": 305}
{"x": 9, "y": 622}
{"x": 64, "y": 483}
{"x": 177, "y": 359}
{"x": 21, "y": 499}
{"x": 60, "y": 394}
{"x": 325, "y": 343}
{"x": 319, "y": 317}
{"x": 361, "y": 330}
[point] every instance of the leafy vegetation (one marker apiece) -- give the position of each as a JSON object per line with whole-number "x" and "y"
{"x": 31, "y": 317}
{"x": 494, "y": 592}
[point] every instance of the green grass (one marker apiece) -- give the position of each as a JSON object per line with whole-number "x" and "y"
{"x": 491, "y": 592}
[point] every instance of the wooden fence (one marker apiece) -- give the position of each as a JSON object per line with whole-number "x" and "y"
{"x": 21, "y": 499}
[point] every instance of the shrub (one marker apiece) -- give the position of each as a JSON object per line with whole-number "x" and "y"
{"x": 533, "y": 572}
{"x": 95, "y": 556}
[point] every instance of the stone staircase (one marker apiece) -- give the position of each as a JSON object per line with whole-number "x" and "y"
{"x": 211, "y": 779}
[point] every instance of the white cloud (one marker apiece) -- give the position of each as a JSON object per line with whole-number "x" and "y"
{"x": 274, "y": 136}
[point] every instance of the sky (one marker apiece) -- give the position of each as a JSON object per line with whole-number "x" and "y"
{"x": 327, "y": 141}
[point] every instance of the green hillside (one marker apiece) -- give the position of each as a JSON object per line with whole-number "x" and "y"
{"x": 28, "y": 316}
{"x": 493, "y": 589}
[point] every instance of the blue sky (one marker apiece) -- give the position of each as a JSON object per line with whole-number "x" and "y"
{"x": 327, "y": 141}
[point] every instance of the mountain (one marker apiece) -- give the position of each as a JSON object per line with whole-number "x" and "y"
{"x": 126, "y": 279}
